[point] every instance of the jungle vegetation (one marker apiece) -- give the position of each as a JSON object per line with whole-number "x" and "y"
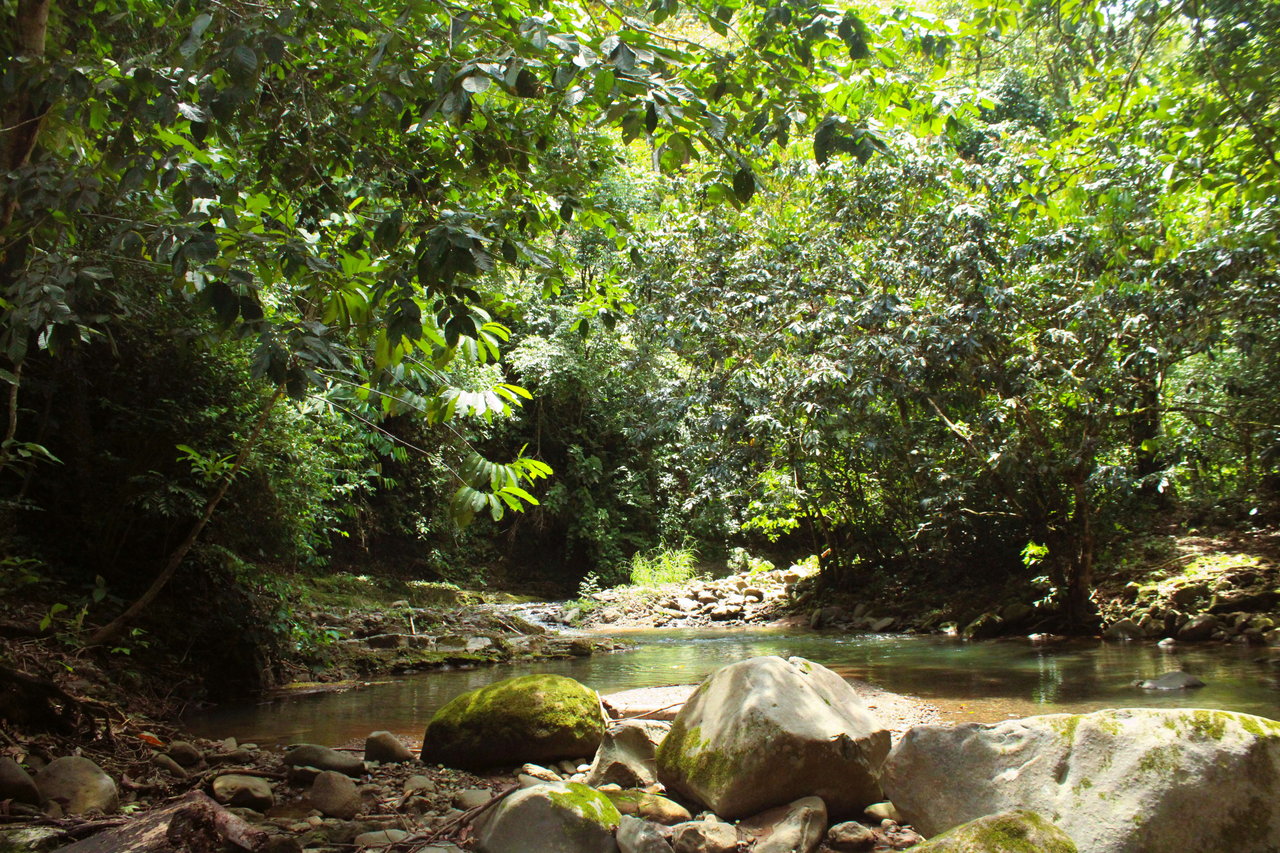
{"x": 943, "y": 292}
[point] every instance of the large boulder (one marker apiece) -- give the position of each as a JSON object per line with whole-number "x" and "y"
{"x": 558, "y": 817}
{"x": 766, "y": 731}
{"x": 627, "y": 754}
{"x": 78, "y": 785}
{"x": 531, "y": 718}
{"x": 1120, "y": 781}
{"x": 1010, "y": 832}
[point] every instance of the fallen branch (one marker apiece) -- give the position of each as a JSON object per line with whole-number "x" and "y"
{"x": 418, "y": 842}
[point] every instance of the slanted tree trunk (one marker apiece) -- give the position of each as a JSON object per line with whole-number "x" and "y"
{"x": 22, "y": 118}
{"x": 115, "y": 628}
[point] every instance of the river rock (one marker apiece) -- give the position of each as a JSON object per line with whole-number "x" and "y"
{"x": 168, "y": 765}
{"x": 185, "y": 754}
{"x": 530, "y": 718}
{"x": 1010, "y": 832}
{"x": 386, "y": 748}
{"x": 654, "y": 703}
{"x": 471, "y": 798}
{"x": 704, "y": 836}
{"x": 795, "y": 828}
{"x": 850, "y": 837}
{"x": 985, "y": 627}
{"x": 16, "y": 784}
{"x": 640, "y": 836}
{"x": 1125, "y": 629}
{"x": 649, "y": 806}
{"x": 557, "y": 817}
{"x": 542, "y": 774}
{"x": 627, "y": 754}
{"x": 766, "y": 731}
{"x": 79, "y": 785}
{"x": 379, "y": 838}
{"x": 1199, "y": 628}
{"x": 335, "y": 795}
{"x": 1175, "y": 680}
{"x": 242, "y": 791}
{"x": 324, "y": 758}
{"x": 1120, "y": 781}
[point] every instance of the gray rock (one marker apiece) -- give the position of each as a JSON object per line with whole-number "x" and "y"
{"x": 530, "y": 718}
{"x": 883, "y": 811}
{"x": 185, "y": 754}
{"x": 1199, "y": 628}
{"x": 471, "y": 798}
{"x": 324, "y": 758}
{"x": 1125, "y": 629}
{"x": 16, "y": 784}
{"x": 704, "y": 836}
{"x": 1175, "y": 680}
{"x": 537, "y": 771}
{"x": 556, "y": 817}
{"x": 686, "y": 605}
{"x": 419, "y": 784}
{"x": 1010, "y": 832}
{"x": 335, "y": 795}
{"x": 879, "y": 626}
{"x": 386, "y": 748}
{"x": 241, "y": 791}
{"x": 78, "y": 785}
{"x": 794, "y": 828}
{"x": 627, "y": 754}
{"x": 725, "y": 747}
{"x": 379, "y": 837}
{"x": 1122, "y": 781}
{"x": 850, "y": 837}
{"x": 640, "y": 836}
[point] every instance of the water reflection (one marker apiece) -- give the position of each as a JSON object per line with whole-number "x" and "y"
{"x": 971, "y": 681}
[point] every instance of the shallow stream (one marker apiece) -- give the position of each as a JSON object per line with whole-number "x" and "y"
{"x": 978, "y": 681}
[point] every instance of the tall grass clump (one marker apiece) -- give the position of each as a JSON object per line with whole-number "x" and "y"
{"x": 663, "y": 566}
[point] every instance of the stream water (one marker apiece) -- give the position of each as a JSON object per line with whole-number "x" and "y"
{"x": 979, "y": 681}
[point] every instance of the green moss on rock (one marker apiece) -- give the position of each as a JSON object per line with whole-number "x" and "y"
{"x": 1010, "y": 832}
{"x": 530, "y": 718}
{"x": 587, "y": 803}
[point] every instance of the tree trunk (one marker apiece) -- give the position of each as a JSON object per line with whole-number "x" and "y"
{"x": 21, "y": 119}
{"x": 194, "y": 822}
{"x": 112, "y": 630}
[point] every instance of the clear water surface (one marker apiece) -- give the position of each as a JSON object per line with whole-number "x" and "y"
{"x": 978, "y": 681}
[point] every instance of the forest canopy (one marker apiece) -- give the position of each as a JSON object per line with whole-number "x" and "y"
{"x": 940, "y": 292}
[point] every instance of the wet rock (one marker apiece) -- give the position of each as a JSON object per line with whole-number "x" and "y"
{"x": 724, "y": 746}
{"x": 1176, "y": 680}
{"x": 185, "y": 754}
{"x": 1122, "y": 781}
{"x": 557, "y": 817}
{"x": 850, "y": 837}
{"x": 985, "y": 627}
{"x": 386, "y": 748}
{"x": 1125, "y": 629}
{"x": 324, "y": 758}
{"x": 627, "y": 754}
{"x": 794, "y": 828}
{"x": 78, "y": 785}
{"x": 1199, "y": 628}
{"x": 16, "y": 784}
{"x": 335, "y": 795}
{"x": 648, "y": 806}
{"x": 639, "y": 836}
{"x": 250, "y": 792}
{"x": 529, "y": 718}
{"x": 704, "y": 836}
{"x": 1010, "y": 832}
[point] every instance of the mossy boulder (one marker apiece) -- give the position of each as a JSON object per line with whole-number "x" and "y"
{"x": 1120, "y": 781}
{"x": 1010, "y": 832}
{"x": 765, "y": 732}
{"x": 557, "y": 817}
{"x": 533, "y": 718}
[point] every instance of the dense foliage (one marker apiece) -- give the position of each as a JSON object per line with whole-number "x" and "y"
{"x": 938, "y": 292}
